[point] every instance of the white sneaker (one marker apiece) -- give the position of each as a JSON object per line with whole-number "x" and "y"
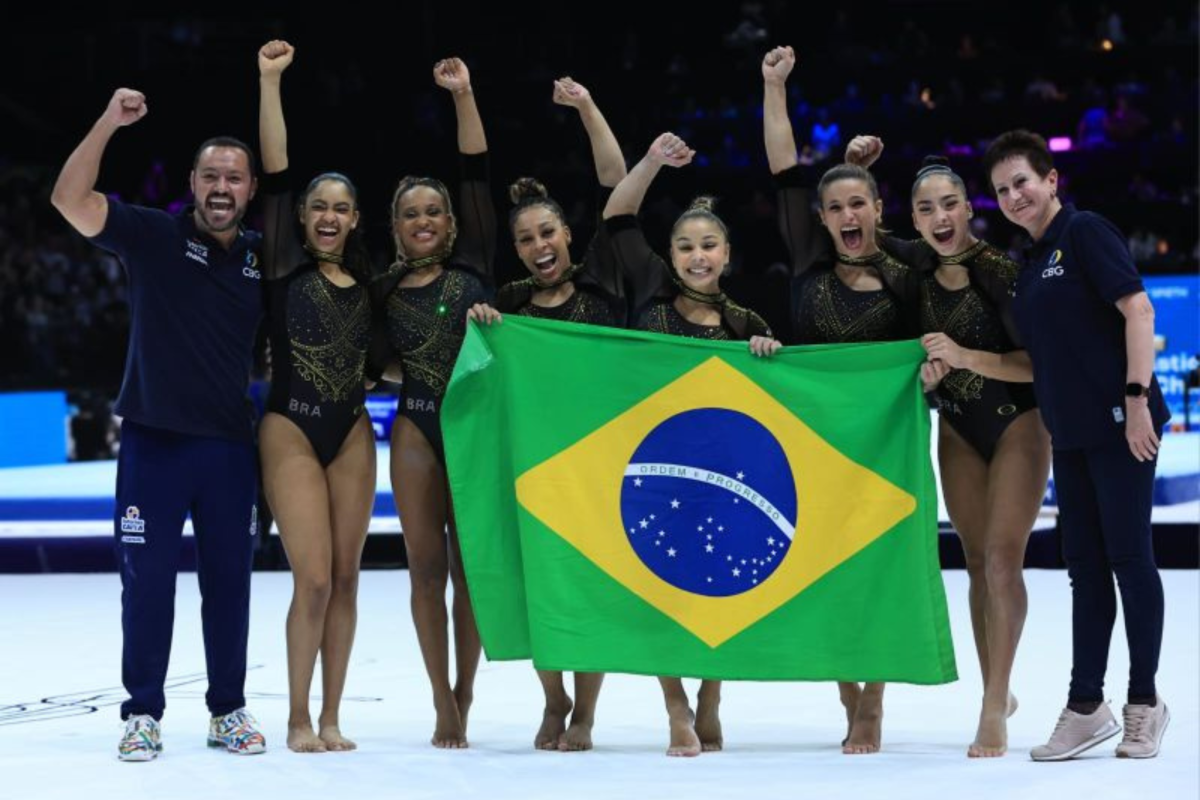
{"x": 237, "y": 732}
{"x": 1144, "y": 729}
{"x": 1076, "y": 733}
{"x": 142, "y": 740}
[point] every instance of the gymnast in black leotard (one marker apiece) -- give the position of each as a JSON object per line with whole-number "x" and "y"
{"x": 851, "y": 283}
{"x": 442, "y": 264}
{"x": 590, "y": 292}
{"x": 974, "y": 316}
{"x": 683, "y": 298}
{"x": 993, "y": 451}
{"x": 319, "y": 329}
{"x": 317, "y": 445}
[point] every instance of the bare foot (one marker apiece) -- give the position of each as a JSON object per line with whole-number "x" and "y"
{"x": 708, "y": 725}
{"x": 463, "y": 697}
{"x": 448, "y": 732}
{"x": 850, "y": 694}
{"x": 554, "y": 724}
{"x": 302, "y": 738}
{"x": 577, "y": 738}
{"x": 866, "y": 729}
{"x": 991, "y": 738}
{"x": 684, "y": 741}
{"x": 331, "y": 735}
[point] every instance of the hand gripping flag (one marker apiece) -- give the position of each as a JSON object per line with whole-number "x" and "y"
{"x": 630, "y": 502}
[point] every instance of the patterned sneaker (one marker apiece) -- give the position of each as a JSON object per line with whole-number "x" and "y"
{"x": 1076, "y": 733}
{"x": 237, "y": 732}
{"x": 1144, "y": 729}
{"x": 142, "y": 740}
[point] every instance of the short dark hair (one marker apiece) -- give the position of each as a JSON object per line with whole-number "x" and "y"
{"x": 1014, "y": 144}
{"x": 226, "y": 141}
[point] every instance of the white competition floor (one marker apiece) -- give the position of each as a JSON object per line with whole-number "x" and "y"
{"x": 59, "y": 686}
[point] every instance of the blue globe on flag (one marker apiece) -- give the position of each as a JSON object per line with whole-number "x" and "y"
{"x": 708, "y": 502}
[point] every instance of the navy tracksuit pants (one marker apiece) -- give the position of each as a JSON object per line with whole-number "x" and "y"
{"x": 1105, "y": 496}
{"x": 162, "y": 477}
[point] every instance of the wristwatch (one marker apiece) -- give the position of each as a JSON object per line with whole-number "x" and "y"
{"x": 1137, "y": 390}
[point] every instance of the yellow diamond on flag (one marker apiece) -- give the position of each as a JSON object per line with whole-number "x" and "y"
{"x": 785, "y": 530}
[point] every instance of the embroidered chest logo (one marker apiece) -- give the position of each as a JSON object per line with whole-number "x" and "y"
{"x": 197, "y": 252}
{"x": 1054, "y": 267}
{"x": 250, "y": 269}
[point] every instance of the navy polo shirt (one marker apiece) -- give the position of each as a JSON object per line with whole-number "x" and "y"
{"x": 194, "y": 310}
{"x": 1066, "y": 313}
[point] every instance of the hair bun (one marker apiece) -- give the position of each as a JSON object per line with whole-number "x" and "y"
{"x": 705, "y": 202}
{"x": 932, "y": 165}
{"x": 527, "y": 189}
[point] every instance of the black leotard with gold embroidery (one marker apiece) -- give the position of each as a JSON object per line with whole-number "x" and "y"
{"x": 599, "y": 296}
{"x": 977, "y": 317}
{"x": 824, "y": 309}
{"x": 425, "y": 325}
{"x": 319, "y": 332}
{"x": 654, "y": 293}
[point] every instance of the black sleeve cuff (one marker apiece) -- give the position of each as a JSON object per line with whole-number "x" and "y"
{"x": 475, "y": 166}
{"x": 797, "y": 176}
{"x": 621, "y": 222}
{"x": 276, "y": 182}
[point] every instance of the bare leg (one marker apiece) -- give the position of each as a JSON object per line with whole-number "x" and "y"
{"x": 849, "y": 693}
{"x": 684, "y": 741}
{"x": 964, "y": 487}
{"x": 866, "y": 732}
{"x": 708, "y": 716}
{"x": 1016, "y": 484}
{"x": 467, "y": 647}
{"x": 419, "y": 486}
{"x": 579, "y": 735}
{"x": 554, "y": 715}
{"x": 295, "y": 486}
{"x": 351, "y": 479}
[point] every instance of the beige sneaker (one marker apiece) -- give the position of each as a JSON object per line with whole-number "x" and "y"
{"x": 1144, "y": 729}
{"x": 1076, "y": 733}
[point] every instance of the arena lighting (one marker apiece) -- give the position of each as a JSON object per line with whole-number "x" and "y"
{"x": 1106, "y": 45}
{"x": 1060, "y": 144}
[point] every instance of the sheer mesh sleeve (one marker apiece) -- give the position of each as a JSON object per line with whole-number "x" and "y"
{"x": 638, "y": 263}
{"x": 282, "y": 250}
{"x": 600, "y": 265}
{"x": 807, "y": 244}
{"x": 476, "y": 244}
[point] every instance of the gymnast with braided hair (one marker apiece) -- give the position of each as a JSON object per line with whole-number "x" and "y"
{"x": 443, "y": 267}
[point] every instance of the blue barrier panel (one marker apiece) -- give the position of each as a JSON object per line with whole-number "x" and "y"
{"x": 33, "y": 428}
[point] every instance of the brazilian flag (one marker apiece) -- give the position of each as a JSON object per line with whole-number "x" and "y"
{"x": 632, "y": 502}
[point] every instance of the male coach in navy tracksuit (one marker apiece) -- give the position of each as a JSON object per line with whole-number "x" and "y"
{"x": 186, "y": 438}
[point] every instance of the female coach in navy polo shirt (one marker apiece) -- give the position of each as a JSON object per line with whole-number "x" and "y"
{"x": 1089, "y": 328}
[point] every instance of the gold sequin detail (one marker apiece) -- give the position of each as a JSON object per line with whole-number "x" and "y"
{"x": 332, "y": 356}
